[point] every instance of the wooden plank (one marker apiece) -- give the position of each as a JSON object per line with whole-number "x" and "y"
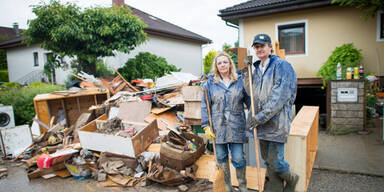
{"x": 49, "y": 96}
{"x": 192, "y": 109}
{"x": 144, "y": 138}
{"x": 134, "y": 110}
{"x": 157, "y": 110}
{"x": 302, "y": 144}
{"x": 154, "y": 147}
{"x": 192, "y": 93}
{"x": 206, "y": 167}
{"x": 42, "y": 114}
{"x": 252, "y": 177}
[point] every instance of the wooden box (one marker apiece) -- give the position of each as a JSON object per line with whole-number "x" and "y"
{"x": 301, "y": 148}
{"x": 179, "y": 159}
{"x": 131, "y": 147}
{"x": 48, "y": 105}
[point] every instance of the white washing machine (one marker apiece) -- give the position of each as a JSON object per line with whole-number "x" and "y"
{"x": 6, "y": 117}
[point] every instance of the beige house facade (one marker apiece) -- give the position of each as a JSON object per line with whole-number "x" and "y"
{"x": 321, "y": 29}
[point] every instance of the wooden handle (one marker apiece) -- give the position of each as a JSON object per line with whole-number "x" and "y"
{"x": 254, "y": 129}
{"x": 210, "y": 123}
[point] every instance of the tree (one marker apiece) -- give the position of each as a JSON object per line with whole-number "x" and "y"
{"x": 87, "y": 34}
{"x": 208, "y": 60}
{"x": 53, "y": 62}
{"x": 146, "y": 66}
{"x": 370, "y": 7}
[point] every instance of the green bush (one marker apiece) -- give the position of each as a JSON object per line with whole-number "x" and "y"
{"x": 103, "y": 70}
{"x": 146, "y": 66}
{"x": 208, "y": 61}
{"x": 347, "y": 55}
{"x": 4, "y": 76}
{"x": 11, "y": 85}
{"x": 21, "y": 98}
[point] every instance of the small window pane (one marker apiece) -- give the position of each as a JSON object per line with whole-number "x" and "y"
{"x": 36, "y": 59}
{"x": 292, "y": 39}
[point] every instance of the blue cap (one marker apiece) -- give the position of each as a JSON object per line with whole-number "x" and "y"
{"x": 261, "y": 39}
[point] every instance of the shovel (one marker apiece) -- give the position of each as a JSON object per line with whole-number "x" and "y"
{"x": 218, "y": 184}
{"x": 260, "y": 175}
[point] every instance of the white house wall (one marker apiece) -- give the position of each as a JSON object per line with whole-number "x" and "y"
{"x": 21, "y": 62}
{"x": 183, "y": 54}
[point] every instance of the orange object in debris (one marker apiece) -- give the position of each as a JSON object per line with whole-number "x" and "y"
{"x": 137, "y": 81}
{"x": 146, "y": 97}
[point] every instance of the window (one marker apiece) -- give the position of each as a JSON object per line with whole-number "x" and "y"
{"x": 36, "y": 59}
{"x": 292, "y": 38}
{"x": 380, "y": 26}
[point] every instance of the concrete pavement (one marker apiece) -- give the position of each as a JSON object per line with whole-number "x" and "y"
{"x": 353, "y": 153}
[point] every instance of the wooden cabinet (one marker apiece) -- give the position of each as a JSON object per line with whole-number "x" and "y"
{"x": 71, "y": 106}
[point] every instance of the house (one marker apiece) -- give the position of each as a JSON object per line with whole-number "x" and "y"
{"x": 309, "y": 31}
{"x": 178, "y": 46}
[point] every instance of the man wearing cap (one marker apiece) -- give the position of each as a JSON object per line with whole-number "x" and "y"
{"x": 274, "y": 90}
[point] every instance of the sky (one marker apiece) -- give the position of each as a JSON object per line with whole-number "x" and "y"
{"x": 198, "y": 16}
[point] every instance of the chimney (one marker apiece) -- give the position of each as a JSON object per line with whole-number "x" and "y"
{"x": 117, "y": 2}
{"x": 16, "y": 29}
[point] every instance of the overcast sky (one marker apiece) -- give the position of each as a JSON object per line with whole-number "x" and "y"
{"x": 199, "y": 16}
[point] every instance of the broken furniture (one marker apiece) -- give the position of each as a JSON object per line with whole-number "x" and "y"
{"x": 131, "y": 147}
{"x": 70, "y": 106}
{"x": 301, "y": 147}
{"x": 14, "y": 140}
{"x": 117, "y": 84}
{"x": 176, "y": 156}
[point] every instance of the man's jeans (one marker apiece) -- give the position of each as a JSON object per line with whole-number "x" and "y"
{"x": 237, "y": 154}
{"x": 273, "y": 155}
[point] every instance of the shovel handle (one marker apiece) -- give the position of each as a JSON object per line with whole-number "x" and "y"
{"x": 254, "y": 129}
{"x": 210, "y": 123}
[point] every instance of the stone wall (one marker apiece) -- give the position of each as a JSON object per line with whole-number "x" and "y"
{"x": 347, "y": 116}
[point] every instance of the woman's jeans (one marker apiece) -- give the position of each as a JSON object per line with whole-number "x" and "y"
{"x": 237, "y": 154}
{"x": 273, "y": 155}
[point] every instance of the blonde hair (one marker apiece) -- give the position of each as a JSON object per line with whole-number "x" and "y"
{"x": 232, "y": 69}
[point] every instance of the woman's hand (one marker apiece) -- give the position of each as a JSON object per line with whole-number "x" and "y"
{"x": 208, "y": 133}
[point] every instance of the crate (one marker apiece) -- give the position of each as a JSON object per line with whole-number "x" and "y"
{"x": 179, "y": 159}
{"x": 131, "y": 147}
{"x": 302, "y": 144}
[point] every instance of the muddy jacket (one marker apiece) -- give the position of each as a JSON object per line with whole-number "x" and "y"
{"x": 227, "y": 110}
{"x": 274, "y": 94}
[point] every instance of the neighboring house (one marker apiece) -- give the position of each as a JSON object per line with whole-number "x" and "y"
{"x": 178, "y": 46}
{"x": 309, "y": 31}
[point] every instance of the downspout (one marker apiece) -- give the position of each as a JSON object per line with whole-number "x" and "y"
{"x": 236, "y": 27}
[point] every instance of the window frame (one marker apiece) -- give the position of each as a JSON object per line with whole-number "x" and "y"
{"x": 35, "y": 59}
{"x": 291, "y": 24}
{"x": 380, "y": 26}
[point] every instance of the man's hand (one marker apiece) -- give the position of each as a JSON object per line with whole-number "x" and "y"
{"x": 252, "y": 122}
{"x": 208, "y": 133}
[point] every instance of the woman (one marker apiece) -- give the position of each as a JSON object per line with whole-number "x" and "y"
{"x": 226, "y": 97}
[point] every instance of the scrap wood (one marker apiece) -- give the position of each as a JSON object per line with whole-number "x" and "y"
{"x": 126, "y": 82}
{"x": 119, "y": 179}
{"x": 62, "y": 173}
{"x": 108, "y": 183}
{"x": 165, "y": 175}
{"x": 3, "y": 170}
{"x": 134, "y": 111}
{"x": 168, "y": 119}
{"x": 154, "y": 147}
{"x": 157, "y": 110}
{"x": 40, "y": 172}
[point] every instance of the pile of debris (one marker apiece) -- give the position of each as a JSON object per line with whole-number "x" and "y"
{"x": 122, "y": 135}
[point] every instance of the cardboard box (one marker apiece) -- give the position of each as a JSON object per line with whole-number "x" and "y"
{"x": 131, "y": 147}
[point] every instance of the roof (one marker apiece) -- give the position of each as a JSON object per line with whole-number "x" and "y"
{"x": 155, "y": 26}
{"x": 8, "y": 32}
{"x": 266, "y": 7}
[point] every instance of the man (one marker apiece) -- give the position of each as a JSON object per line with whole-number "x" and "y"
{"x": 274, "y": 88}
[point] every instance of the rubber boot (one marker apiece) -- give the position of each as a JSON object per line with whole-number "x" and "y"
{"x": 275, "y": 183}
{"x": 227, "y": 176}
{"x": 241, "y": 178}
{"x": 291, "y": 180}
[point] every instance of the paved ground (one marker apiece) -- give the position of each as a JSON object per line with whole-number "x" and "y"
{"x": 338, "y": 160}
{"x": 353, "y": 153}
